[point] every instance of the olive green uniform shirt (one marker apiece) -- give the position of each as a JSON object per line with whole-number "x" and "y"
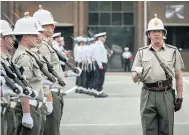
{"x": 153, "y": 72}
{"x": 31, "y": 69}
{"x": 4, "y": 60}
{"x": 46, "y": 50}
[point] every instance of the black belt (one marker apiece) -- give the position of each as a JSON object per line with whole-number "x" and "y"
{"x": 157, "y": 84}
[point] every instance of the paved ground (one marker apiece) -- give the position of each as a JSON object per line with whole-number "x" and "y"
{"x": 116, "y": 115}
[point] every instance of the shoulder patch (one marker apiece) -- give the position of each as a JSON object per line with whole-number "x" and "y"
{"x": 145, "y": 47}
{"x": 174, "y": 47}
{"x": 20, "y": 56}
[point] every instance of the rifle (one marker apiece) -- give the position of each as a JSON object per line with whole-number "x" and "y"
{"x": 43, "y": 70}
{"x": 62, "y": 58}
{"x": 10, "y": 83}
{"x": 13, "y": 76}
{"x": 19, "y": 74}
{"x": 52, "y": 71}
{"x": 20, "y": 77}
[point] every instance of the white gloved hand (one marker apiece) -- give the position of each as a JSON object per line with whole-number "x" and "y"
{"x": 7, "y": 91}
{"x": 49, "y": 106}
{"x": 71, "y": 73}
{"x": 139, "y": 70}
{"x": 27, "y": 120}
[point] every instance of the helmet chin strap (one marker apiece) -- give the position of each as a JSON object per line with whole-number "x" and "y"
{"x": 10, "y": 44}
{"x": 31, "y": 41}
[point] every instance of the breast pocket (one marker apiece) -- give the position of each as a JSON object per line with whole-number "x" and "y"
{"x": 147, "y": 61}
{"x": 167, "y": 61}
{"x": 36, "y": 70}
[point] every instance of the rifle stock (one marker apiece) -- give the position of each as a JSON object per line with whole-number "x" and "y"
{"x": 52, "y": 71}
{"x": 43, "y": 70}
{"x": 13, "y": 76}
{"x": 62, "y": 58}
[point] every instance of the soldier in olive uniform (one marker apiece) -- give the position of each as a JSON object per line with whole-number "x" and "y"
{"x": 5, "y": 37}
{"x": 53, "y": 120}
{"x": 157, "y": 97}
{"x": 29, "y": 119}
{"x": 7, "y": 42}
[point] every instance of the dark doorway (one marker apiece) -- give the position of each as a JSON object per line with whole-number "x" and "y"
{"x": 178, "y": 36}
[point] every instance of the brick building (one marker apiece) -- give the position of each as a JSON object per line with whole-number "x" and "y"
{"x": 122, "y": 20}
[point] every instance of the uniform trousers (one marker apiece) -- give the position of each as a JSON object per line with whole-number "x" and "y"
{"x": 44, "y": 118}
{"x": 52, "y": 125}
{"x": 91, "y": 77}
{"x": 100, "y": 77}
{"x": 85, "y": 74}
{"x": 3, "y": 121}
{"x": 36, "y": 116}
{"x": 127, "y": 65}
{"x": 157, "y": 112}
{"x": 11, "y": 121}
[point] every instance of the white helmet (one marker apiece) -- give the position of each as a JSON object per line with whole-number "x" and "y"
{"x": 5, "y": 28}
{"x": 156, "y": 24}
{"x": 26, "y": 25}
{"x": 39, "y": 27}
{"x": 44, "y": 16}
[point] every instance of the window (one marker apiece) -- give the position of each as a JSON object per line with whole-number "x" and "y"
{"x": 116, "y": 6}
{"x": 128, "y": 6}
{"x": 116, "y": 19}
{"x": 105, "y": 19}
{"x": 128, "y": 18}
{"x": 105, "y": 5}
{"x": 93, "y": 18}
{"x": 94, "y": 6}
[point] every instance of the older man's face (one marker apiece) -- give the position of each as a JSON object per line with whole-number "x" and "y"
{"x": 156, "y": 36}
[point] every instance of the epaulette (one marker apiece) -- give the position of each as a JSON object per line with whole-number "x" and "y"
{"x": 145, "y": 47}
{"x": 21, "y": 56}
{"x": 174, "y": 47}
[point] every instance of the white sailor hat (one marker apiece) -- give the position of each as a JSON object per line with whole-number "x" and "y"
{"x": 100, "y": 34}
{"x": 91, "y": 39}
{"x": 126, "y": 48}
{"x": 79, "y": 39}
{"x": 56, "y": 34}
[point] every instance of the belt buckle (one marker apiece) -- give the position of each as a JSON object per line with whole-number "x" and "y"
{"x": 160, "y": 84}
